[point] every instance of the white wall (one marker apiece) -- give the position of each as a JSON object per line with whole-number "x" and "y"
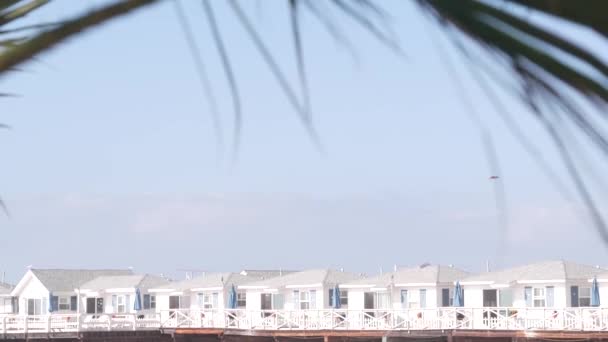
{"x": 254, "y": 301}
{"x": 473, "y": 295}
{"x": 603, "y": 287}
{"x": 32, "y": 289}
{"x": 356, "y": 299}
{"x": 194, "y": 301}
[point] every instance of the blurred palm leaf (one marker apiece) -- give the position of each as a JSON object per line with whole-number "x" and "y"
{"x": 16, "y": 51}
{"x": 548, "y": 67}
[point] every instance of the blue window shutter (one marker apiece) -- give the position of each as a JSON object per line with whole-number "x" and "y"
{"x": 127, "y": 305}
{"x": 550, "y": 296}
{"x": 313, "y": 299}
{"x": 73, "y": 303}
{"x": 528, "y": 296}
{"x": 331, "y": 297}
{"x": 574, "y": 296}
{"x": 53, "y": 303}
{"x": 114, "y": 302}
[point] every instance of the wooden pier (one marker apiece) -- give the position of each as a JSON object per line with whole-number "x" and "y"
{"x": 238, "y": 335}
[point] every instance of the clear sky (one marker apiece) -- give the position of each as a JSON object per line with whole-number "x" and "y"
{"x": 112, "y": 159}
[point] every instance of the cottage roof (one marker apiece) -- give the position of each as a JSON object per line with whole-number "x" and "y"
{"x": 69, "y": 279}
{"x": 264, "y": 274}
{"x": 142, "y": 281}
{"x": 5, "y": 289}
{"x": 553, "y": 270}
{"x": 210, "y": 280}
{"x": 325, "y": 277}
{"x": 425, "y": 274}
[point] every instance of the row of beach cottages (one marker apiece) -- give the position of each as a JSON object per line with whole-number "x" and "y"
{"x": 551, "y": 284}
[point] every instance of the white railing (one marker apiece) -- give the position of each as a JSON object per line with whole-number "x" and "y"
{"x": 66, "y": 323}
{"x": 568, "y": 319}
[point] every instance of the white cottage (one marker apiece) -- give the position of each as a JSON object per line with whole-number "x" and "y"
{"x": 117, "y": 294}
{"x": 425, "y": 286}
{"x": 550, "y": 284}
{"x": 306, "y": 290}
{"x": 207, "y": 292}
{"x": 8, "y": 303}
{"x": 43, "y": 291}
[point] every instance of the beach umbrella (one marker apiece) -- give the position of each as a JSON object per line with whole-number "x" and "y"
{"x": 595, "y": 293}
{"x": 137, "y": 301}
{"x": 232, "y": 300}
{"x": 458, "y": 299}
{"x": 336, "y": 304}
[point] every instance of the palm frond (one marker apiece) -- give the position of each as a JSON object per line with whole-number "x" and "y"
{"x": 548, "y": 67}
{"x": 297, "y": 41}
{"x": 591, "y": 13}
{"x": 20, "y": 11}
{"x": 276, "y": 71}
{"x": 202, "y": 75}
{"x": 48, "y": 39}
{"x": 227, "y": 67}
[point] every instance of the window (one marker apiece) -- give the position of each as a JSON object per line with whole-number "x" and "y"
{"x": 241, "y": 299}
{"x": 120, "y": 303}
{"x": 6, "y": 305}
{"x": 64, "y": 303}
{"x": 413, "y": 299}
{"x": 505, "y": 297}
{"x": 272, "y": 301}
{"x": 538, "y": 297}
{"x": 266, "y": 299}
{"x": 121, "y": 306}
{"x": 343, "y": 298}
{"x": 174, "y": 302}
{"x": 34, "y": 306}
{"x": 305, "y": 300}
{"x": 94, "y": 305}
{"x": 278, "y": 301}
{"x": 208, "y": 300}
{"x": 446, "y": 298}
{"x": 382, "y": 301}
{"x": 584, "y": 296}
{"x": 404, "y": 299}
{"x": 423, "y": 298}
{"x": 149, "y": 302}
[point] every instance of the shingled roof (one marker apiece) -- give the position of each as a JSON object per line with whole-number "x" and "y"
{"x": 425, "y": 274}
{"x": 546, "y": 270}
{"x": 326, "y": 277}
{"x": 69, "y": 279}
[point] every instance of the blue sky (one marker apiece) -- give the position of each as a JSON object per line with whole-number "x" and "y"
{"x": 112, "y": 159}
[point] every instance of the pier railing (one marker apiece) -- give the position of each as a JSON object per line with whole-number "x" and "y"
{"x": 572, "y": 319}
{"x": 450, "y": 318}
